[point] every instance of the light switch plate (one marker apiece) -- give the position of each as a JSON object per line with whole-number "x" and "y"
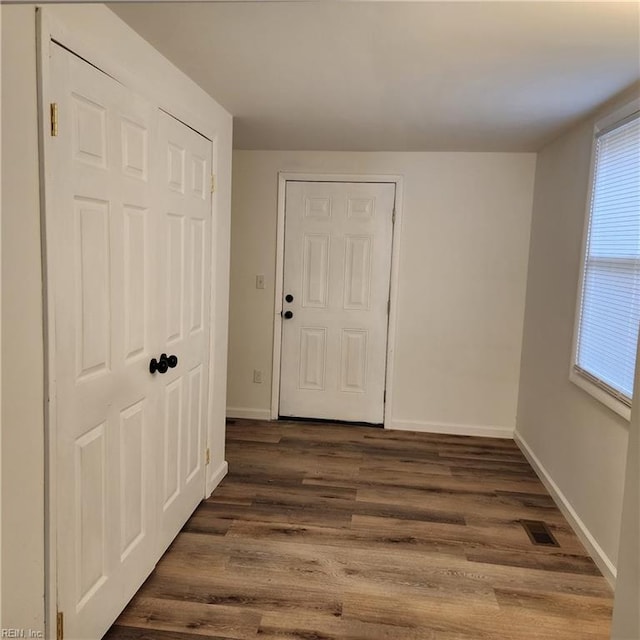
{"x": 259, "y": 282}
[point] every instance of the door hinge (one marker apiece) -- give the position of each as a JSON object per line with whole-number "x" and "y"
{"x": 208, "y": 455}
{"x": 388, "y": 307}
{"x": 393, "y": 216}
{"x": 59, "y": 626}
{"x": 213, "y": 183}
{"x": 53, "y": 109}
{"x": 384, "y": 396}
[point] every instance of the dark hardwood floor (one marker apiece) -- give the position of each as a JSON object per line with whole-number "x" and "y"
{"x": 324, "y": 532}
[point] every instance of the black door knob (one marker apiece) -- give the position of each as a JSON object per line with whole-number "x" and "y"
{"x": 288, "y": 297}
{"x": 161, "y": 366}
{"x": 288, "y": 315}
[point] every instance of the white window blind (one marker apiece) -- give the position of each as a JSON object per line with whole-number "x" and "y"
{"x": 610, "y": 301}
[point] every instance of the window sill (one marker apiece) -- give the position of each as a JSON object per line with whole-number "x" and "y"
{"x": 601, "y": 395}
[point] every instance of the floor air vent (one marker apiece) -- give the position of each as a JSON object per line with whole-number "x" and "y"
{"x": 539, "y": 533}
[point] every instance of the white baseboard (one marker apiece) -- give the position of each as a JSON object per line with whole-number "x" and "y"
{"x": 601, "y": 559}
{"x": 216, "y": 477}
{"x": 249, "y": 414}
{"x": 452, "y": 429}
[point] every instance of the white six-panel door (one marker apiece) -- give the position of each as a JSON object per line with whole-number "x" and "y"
{"x": 337, "y": 264}
{"x": 106, "y": 406}
{"x": 131, "y": 280}
{"x": 184, "y": 208}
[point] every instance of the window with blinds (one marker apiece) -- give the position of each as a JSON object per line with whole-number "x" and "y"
{"x": 609, "y": 306}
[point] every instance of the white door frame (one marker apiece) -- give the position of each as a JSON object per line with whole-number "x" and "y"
{"x": 291, "y": 176}
{"x": 50, "y": 28}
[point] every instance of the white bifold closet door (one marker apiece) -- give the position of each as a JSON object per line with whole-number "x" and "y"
{"x": 129, "y": 250}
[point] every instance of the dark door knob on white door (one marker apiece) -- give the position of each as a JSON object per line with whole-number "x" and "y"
{"x": 163, "y": 364}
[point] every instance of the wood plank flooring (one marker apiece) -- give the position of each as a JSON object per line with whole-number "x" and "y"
{"x": 333, "y": 532}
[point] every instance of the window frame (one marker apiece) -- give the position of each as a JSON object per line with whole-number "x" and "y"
{"x": 583, "y": 379}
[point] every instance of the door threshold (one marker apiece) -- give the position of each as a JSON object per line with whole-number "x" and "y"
{"x": 348, "y": 423}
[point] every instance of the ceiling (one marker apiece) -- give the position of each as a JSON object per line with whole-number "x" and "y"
{"x": 399, "y": 76}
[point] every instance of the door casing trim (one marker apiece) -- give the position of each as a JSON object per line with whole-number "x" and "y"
{"x": 292, "y": 176}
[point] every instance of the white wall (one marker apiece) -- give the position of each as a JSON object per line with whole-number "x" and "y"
{"x": 578, "y": 443}
{"x": 626, "y": 610}
{"x": 22, "y": 346}
{"x": 463, "y": 263}
{"x": 104, "y": 39}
